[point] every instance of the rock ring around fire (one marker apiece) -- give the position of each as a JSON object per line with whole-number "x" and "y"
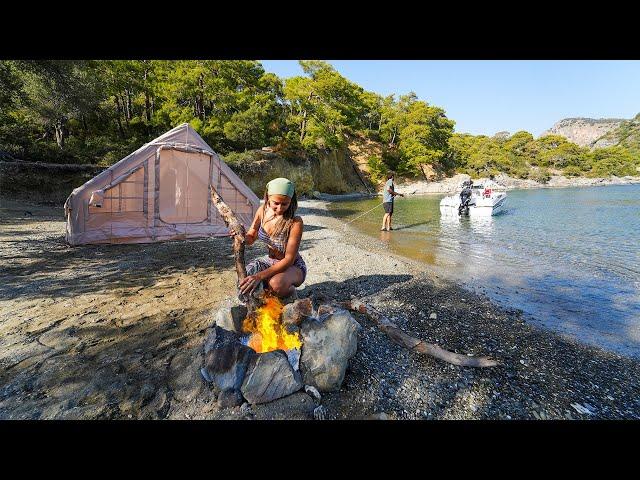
{"x": 329, "y": 339}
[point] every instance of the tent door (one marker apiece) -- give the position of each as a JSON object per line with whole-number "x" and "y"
{"x": 183, "y": 184}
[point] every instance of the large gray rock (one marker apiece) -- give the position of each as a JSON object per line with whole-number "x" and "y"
{"x": 226, "y": 359}
{"x": 327, "y": 345}
{"x": 230, "y": 398}
{"x": 269, "y": 377}
{"x": 230, "y": 317}
{"x": 294, "y": 313}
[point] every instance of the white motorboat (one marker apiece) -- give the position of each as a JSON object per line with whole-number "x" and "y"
{"x": 474, "y": 199}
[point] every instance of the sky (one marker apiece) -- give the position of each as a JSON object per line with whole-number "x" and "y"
{"x": 484, "y": 97}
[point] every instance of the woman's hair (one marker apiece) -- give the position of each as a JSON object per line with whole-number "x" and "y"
{"x": 284, "y": 223}
{"x": 390, "y": 175}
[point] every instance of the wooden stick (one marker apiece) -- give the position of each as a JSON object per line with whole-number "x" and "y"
{"x": 415, "y": 344}
{"x": 234, "y": 225}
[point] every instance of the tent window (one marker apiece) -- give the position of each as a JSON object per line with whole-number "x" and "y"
{"x": 126, "y": 196}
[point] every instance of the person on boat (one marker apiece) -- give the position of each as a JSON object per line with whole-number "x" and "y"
{"x": 277, "y": 225}
{"x": 388, "y": 194}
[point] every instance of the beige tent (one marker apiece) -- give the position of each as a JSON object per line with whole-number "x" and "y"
{"x": 159, "y": 192}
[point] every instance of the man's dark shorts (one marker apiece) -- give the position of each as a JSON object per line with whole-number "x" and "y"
{"x": 388, "y": 207}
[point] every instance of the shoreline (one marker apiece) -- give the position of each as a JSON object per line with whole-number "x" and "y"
{"x": 452, "y": 185}
{"x": 116, "y": 332}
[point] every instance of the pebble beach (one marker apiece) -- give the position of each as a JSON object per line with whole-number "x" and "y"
{"x": 116, "y": 332}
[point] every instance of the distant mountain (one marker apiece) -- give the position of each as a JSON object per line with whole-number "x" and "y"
{"x": 588, "y": 132}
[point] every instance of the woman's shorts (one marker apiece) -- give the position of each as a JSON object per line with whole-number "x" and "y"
{"x": 262, "y": 263}
{"x": 388, "y": 207}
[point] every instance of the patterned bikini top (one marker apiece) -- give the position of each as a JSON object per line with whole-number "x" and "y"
{"x": 278, "y": 242}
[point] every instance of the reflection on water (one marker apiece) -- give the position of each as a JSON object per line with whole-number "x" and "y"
{"x": 570, "y": 257}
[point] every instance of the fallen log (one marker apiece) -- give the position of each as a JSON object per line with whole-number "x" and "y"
{"x": 415, "y": 344}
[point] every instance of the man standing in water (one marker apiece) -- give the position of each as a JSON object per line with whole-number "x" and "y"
{"x": 388, "y": 195}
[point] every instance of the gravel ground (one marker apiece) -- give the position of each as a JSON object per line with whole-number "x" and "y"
{"x": 117, "y": 332}
{"x": 541, "y": 374}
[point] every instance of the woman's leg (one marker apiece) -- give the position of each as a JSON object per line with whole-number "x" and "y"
{"x": 283, "y": 284}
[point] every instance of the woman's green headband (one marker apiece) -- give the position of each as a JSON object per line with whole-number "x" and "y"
{"x": 280, "y": 186}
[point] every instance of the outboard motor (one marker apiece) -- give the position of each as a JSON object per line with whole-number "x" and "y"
{"x": 465, "y": 198}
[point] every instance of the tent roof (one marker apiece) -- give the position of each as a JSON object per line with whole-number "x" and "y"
{"x": 181, "y": 136}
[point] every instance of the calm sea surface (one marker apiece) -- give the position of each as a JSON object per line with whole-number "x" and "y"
{"x": 570, "y": 257}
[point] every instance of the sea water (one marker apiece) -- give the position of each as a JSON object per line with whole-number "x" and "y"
{"x": 568, "y": 257}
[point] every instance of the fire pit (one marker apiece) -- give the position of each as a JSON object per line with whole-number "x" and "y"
{"x": 267, "y": 332}
{"x": 277, "y": 349}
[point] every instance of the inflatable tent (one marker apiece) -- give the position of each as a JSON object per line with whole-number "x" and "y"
{"x": 159, "y": 192}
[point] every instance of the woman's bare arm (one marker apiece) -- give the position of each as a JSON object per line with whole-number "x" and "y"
{"x": 252, "y": 233}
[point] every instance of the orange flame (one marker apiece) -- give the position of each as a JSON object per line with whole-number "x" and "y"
{"x": 266, "y": 328}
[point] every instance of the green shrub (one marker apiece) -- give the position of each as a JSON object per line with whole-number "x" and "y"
{"x": 243, "y": 162}
{"x": 541, "y": 175}
{"x": 573, "y": 171}
{"x": 377, "y": 168}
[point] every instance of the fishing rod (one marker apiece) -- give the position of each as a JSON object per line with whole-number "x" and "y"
{"x": 360, "y": 216}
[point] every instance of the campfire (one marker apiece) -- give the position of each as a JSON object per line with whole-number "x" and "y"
{"x": 274, "y": 350}
{"x": 266, "y": 329}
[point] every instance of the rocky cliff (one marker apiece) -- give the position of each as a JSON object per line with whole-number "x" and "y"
{"x": 333, "y": 171}
{"x": 587, "y": 132}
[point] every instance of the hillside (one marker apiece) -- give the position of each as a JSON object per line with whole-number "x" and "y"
{"x": 627, "y": 134}
{"x": 587, "y": 132}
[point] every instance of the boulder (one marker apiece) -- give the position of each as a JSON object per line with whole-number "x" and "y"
{"x": 230, "y": 398}
{"x": 328, "y": 343}
{"x": 226, "y": 359}
{"x": 294, "y": 313}
{"x": 269, "y": 377}
{"x": 230, "y": 317}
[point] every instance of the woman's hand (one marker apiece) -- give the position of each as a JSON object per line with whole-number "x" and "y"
{"x": 237, "y": 229}
{"x": 249, "y": 284}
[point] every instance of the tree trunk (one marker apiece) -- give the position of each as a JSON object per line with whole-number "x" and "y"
{"x": 147, "y": 110}
{"x": 355, "y": 167}
{"x": 129, "y": 107}
{"x": 200, "y": 98}
{"x": 118, "y": 113}
{"x": 303, "y": 126}
{"x": 147, "y": 107}
{"x": 59, "y": 126}
{"x": 125, "y": 109}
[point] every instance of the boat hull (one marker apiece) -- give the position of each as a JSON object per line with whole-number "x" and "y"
{"x": 478, "y": 206}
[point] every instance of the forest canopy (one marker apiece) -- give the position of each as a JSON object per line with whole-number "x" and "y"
{"x": 96, "y": 112}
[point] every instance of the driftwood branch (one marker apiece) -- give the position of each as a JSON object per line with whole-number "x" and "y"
{"x": 235, "y": 227}
{"x": 415, "y": 344}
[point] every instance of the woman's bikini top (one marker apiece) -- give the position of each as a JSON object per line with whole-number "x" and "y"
{"x": 278, "y": 242}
